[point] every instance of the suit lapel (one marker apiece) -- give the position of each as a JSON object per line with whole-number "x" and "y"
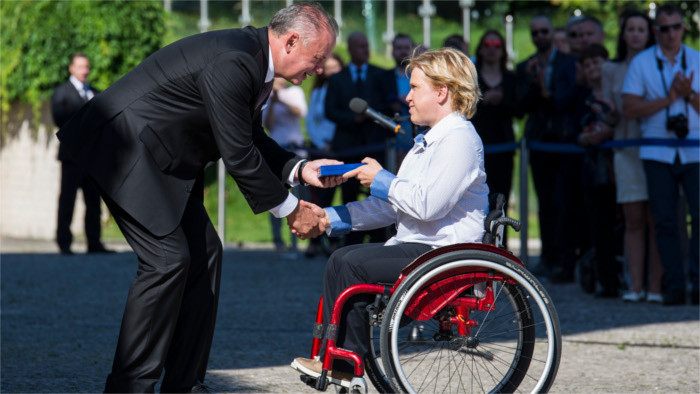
{"x": 262, "y": 57}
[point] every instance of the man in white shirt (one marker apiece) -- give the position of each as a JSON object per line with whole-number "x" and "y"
{"x": 439, "y": 196}
{"x": 661, "y": 90}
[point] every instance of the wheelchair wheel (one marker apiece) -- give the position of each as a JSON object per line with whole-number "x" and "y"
{"x": 485, "y": 324}
{"x": 373, "y": 363}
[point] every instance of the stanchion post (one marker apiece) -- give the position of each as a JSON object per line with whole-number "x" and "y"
{"x": 221, "y": 214}
{"x": 523, "y": 200}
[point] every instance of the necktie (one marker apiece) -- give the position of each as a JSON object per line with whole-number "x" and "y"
{"x": 359, "y": 85}
{"x": 264, "y": 93}
{"x": 86, "y": 90}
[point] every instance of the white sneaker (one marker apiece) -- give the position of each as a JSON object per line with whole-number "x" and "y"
{"x": 633, "y": 296}
{"x": 314, "y": 367}
{"x": 655, "y": 298}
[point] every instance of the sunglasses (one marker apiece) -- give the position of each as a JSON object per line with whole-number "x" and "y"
{"x": 573, "y": 34}
{"x": 539, "y": 32}
{"x": 666, "y": 28}
{"x": 492, "y": 43}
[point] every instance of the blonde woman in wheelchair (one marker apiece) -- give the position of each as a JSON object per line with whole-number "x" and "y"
{"x": 439, "y": 197}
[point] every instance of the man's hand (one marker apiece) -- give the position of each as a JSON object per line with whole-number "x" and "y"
{"x": 310, "y": 174}
{"x": 307, "y": 220}
{"x": 682, "y": 85}
{"x": 365, "y": 174}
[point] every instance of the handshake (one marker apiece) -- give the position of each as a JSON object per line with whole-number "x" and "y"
{"x": 308, "y": 220}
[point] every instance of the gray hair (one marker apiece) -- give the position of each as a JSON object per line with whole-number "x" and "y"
{"x": 307, "y": 18}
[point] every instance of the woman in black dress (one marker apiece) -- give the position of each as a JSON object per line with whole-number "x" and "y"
{"x": 495, "y": 112}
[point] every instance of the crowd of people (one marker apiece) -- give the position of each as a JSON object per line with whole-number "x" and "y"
{"x": 573, "y": 93}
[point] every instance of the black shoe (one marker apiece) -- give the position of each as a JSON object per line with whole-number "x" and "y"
{"x": 67, "y": 252}
{"x": 200, "y": 388}
{"x": 607, "y": 293}
{"x": 674, "y": 297}
{"x": 99, "y": 249}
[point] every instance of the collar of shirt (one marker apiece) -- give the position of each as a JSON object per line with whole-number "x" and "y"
{"x": 355, "y": 69}
{"x": 79, "y": 86}
{"x": 270, "y": 66}
{"x": 441, "y": 128}
{"x": 677, "y": 58}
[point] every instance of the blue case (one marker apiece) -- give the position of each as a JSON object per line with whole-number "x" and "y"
{"x": 338, "y": 169}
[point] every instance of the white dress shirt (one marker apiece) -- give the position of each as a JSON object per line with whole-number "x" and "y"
{"x": 644, "y": 80}
{"x": 439, "y": 196}
{"x": 80, "y": 87}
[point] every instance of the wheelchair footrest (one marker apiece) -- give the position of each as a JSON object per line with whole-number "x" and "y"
{"x": 311, "y": 381}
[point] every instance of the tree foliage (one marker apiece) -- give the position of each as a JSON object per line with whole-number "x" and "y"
{"x": 39, "y": 36}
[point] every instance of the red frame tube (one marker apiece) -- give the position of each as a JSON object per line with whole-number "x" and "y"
{"x": 333, "y": 352}
{"x": 316, "y": 345}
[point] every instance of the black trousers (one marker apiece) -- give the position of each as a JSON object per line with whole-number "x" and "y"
{"x": 72, "y": 178}
{"x": 171, "y": 308}
{"x": 363, "y": 263}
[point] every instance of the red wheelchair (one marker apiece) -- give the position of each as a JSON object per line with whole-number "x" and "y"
{"x": 461, "y": 318}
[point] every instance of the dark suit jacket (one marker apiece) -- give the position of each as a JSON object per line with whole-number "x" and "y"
{"x": 548, "y": 117}
{"x": 341, "y": 90}
{"x": 65, "y": 102}
{"x": 147, "y": 138}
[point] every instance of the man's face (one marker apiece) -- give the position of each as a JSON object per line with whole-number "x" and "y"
{"x": 422, "y": 99}
{"x": 402, "y": 50}
{"x": 80, "y": 68}
{"x": 669, "y": 31}
{"x": 302, "y": 61}
{"x": 358, "y": 47}
{"x": 589, "y": 33}
{"x": 541, "y": 33}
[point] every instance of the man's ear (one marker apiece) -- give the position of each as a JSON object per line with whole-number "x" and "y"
{"x": 291, "y": 41}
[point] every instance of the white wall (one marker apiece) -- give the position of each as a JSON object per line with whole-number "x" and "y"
{"x": 30, "y": 182}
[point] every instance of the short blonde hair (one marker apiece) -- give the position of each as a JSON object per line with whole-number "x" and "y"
{"x": 451, "y": 68}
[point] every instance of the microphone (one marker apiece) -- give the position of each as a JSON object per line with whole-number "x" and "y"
{"x": 359, "y": 106}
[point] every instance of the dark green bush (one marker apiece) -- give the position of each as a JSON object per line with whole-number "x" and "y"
{"x": 38, "y": 38}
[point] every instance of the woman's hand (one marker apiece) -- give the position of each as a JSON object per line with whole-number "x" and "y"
{"x": 365, "y": 174}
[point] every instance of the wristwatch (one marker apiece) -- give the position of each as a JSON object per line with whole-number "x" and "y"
{"x": 299, "y": 177}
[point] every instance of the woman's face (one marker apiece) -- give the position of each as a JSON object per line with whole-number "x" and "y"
{"x": 422, "y": 99}
{"x": 592, "y": 69}
{"x": 491, "y": 49}
{"x": 636, "y": 33}
{"x": 332, "y": 66}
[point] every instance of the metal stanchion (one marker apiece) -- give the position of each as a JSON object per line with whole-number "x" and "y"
{"x": 523, "y": 200}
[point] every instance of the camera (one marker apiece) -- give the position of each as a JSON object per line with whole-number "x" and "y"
{"x": 678, "y": 124}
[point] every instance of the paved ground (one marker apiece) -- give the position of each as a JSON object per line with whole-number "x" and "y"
{"x": 60, "y": 319}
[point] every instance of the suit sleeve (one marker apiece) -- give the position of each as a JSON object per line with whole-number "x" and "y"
{"x": 60, "y": 107}
{"x": 228, "y": 89}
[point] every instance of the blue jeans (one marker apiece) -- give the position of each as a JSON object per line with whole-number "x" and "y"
{"x": 663, "y": 181}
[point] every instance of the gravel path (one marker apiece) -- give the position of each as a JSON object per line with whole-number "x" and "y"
{"x": 60, "y": 320}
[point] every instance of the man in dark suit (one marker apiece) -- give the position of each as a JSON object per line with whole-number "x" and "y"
{"x": 544, "y": 85}
{"x": 393, "y": 86}
{"x": 66, "y": 100}
{"x": 354, "y": 131}
{"x": 146, "y": 140}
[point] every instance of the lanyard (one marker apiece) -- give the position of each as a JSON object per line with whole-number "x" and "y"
{"x": 660, "y": 66}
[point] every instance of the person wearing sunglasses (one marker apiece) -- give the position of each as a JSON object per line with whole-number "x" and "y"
{"x": 541, "y": 80}
{"x": 495, "y": 111}
{"x": 661, "y": 90}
